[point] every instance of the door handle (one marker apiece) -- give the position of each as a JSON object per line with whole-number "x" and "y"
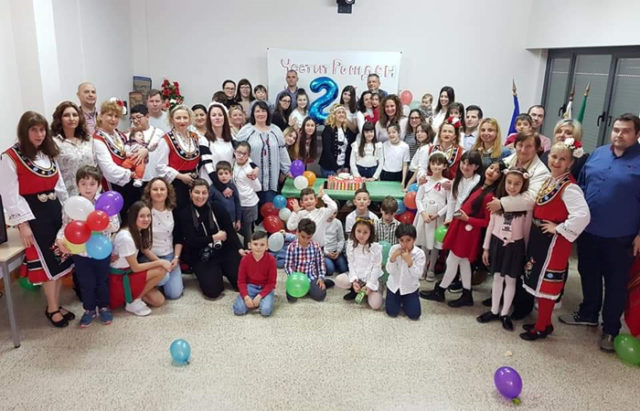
{"x": 608, "y": 121}
{"x": 600, "y": 118}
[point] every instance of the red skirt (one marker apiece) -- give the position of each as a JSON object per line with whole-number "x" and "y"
{"x": 463, "y": 239}
{"x": 117, "y": 297}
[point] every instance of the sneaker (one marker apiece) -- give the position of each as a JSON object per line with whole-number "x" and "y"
{"x": 350, "y": 296}
{"x": 87, "y": 318}
{"x": 577, "y": 319}
{"x": 329, "y": 283}
{"x": 138, "y": 307}
{"x": 105, "y": 315}
{"x": 431, "y": 276}
{"x": 606, "y": 342}
{"x": 455, "y": 287}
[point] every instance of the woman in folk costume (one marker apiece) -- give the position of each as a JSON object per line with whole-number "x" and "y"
{"x": 32, "y": 192}
{"x": 560, "y": 214}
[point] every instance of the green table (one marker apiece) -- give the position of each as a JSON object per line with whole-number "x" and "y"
{"x": 378, "y": 190}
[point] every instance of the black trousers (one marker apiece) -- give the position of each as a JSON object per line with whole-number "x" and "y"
{"x": 209, "y": 273}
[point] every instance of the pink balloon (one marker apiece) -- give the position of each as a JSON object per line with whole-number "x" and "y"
{"x": 406, "y": 97}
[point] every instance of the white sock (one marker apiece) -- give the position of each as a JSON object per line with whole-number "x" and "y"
{"x": 452, "y": 269}
{"x": 496, "y": 293}
{"x": 509, "y": 294}
{"x": 465, "y": 273}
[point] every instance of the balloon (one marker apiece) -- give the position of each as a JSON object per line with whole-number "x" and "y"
{"x": 310, "y": 176}
{"x": 77, "y": 232}
{"x": 78, "y": 208}
{"x": 180, "y": 352}
{"x": 97, "y": 220}
{"x": 26, "y": 284}
{"x": 110, "y": 202}
{"x": 99, "y": 247}
{"x": 508, "y": 382}
{"x": 414, "y": 105}
{"x": 279, "y": 202}
{"x": 441, "y": 232}
{"x": 284, "y": 214}
{"x": 406, "y": 97}
{"x": 268, "y": 209}
{"x": 67, "y": 281}
{"x": 290, "y": 202}
{"x": 410, "y": 200}
{"x": 298, "y": 284}
{"x": 276, "y": 241}
{"x": 297, "y": 168}
{"x": 386, "y": 246}
{"x": 627, "y": 348}
{"x": 406, "y": 217}
{"x": 316, "y": 108}
{"x": 401, "y": 207}
{"x": 300, "y": 182}
{"x": 75, "y": 248}
{"x": 413, "y": 187}
{"x": 272, "y": 224}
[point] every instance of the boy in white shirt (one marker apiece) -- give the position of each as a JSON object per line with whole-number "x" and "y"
{"x": 334, "y": 257}
{"x": 362, "y": 200}
{"x": 405, "y": 267}
{"x": 306, "y": 208}
{"x": 247, "y": 185}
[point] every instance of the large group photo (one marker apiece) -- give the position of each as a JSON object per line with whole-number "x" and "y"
{"x": 272, "y": 234}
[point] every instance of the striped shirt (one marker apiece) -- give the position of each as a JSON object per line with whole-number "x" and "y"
{"x": 308, "y": 260}
{"x": 387, "y": 232}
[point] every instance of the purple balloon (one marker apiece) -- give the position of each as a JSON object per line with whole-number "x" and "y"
{"x": 110, "y": 202}
{"x": 297, "y": 168}
{"x": 508, "y": 382}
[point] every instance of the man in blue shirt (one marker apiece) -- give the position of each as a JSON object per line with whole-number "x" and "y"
{"x": 610, "y": 180}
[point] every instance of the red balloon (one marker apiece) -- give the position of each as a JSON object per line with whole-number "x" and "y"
{"x": 77, "y": 232}
{"x": 410, "y": 200}
{"x": 97, "y": 220}
{"x": 268, "y": 209}
{"x": 406, "y": 97}
{"x": 290, "y": 203}
{"x": 272, "y": 224}
{"x": 406, "y": 217}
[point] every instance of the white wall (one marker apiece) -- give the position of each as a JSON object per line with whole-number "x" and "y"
{"x": 471, "y": 45}
{"x": 583, "y": 23}
{"x": 11, "y": 105}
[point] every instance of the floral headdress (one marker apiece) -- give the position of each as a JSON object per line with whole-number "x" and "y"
{"x": 575, "y": 146}
{"x": 454, "y": 121}
{"x": 120, "y": 104}
{"x": 171, "y": 92}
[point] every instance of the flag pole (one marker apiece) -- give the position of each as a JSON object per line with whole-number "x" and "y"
{"x": 583, "y": 107}
{"x": 516, "y": 107}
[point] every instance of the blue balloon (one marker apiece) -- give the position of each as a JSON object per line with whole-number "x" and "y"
{"x": 279, "y": 202}
{"x": 99, "y": 247}
{"x": 180, "y": 351}
{"x": 413, "y": 187}
{"x": 331, "y": 88}
{"x": 401, "y": 206}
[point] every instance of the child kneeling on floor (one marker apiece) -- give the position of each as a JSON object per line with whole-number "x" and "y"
{"x": 256, "y": 278}
{"x": 365, "y": 264}
{"x": 405, "y": 267}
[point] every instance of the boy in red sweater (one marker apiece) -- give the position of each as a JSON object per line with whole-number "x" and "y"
{"x": 256, "y": 278}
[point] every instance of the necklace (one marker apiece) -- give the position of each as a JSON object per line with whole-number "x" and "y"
{"x": 550, "y": 188}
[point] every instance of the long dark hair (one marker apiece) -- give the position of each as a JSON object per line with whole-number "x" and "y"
{"x": 169, "y": 202}
{"x": 422, "y": 120}
{"x": 476, "y": 206}
{"x": 501, "y": 191}
{"x": 143, "y": 239}
{"x": 384, "y": 120}
{"x": 368, "y": 126}
{"x": 263, "y": 105}
{"x": 472, "y": 157}
{"x": 372, "y": 232}
{"x": 244, "y": 82}
{"x": 279, "y": 109}
{"x": 226, "y": 127}
{"x": 56, "y": 122}
{"x": 353, "y": 103}
{"x": 361, "y": 106}
{"x": 302, "y": 139}
{"x": 31, "y": 119}
{"x": 450, "y": 93}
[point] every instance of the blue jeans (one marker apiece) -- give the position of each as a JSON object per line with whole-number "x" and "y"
{"x": 367, "y": 172}
{"x": 93, "y": 281}
{"x": 339, "y": 265}
{"x": 410, "y": 303}
{"x": 266, "y": 304}
{"x": 327, "y": 173}
{"x": 172, "y": 282}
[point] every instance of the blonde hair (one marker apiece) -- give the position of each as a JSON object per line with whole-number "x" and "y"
{"x": 178, "y": 108}
{"x": 109, "y": 107}
{"x": 331, "y": 120}
{"x": 497, "y": 143}
{"x": 575, "y": 124}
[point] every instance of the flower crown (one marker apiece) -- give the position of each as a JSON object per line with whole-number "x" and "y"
{"x": 524, "y": 174}
{"x": 454, "y": 121}
{"x": 575, "y": 146}
{"x": 120, "y": 104}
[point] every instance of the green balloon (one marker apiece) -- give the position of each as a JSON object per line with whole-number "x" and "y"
{"x": 26, "y": 284}
{"x": 414, "y": 104}
{"x": 627, "y": 348}
{"x": 440, "y": 233}
{"x": 298, "y": 284}
{"x": 385, "y": 251}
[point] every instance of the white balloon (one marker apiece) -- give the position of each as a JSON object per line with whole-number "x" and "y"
{"x": 276, "y": 241}
{"x": 284, "y": 214}
{"x": 78, "y": 208}
{"x": 300, "y": 182}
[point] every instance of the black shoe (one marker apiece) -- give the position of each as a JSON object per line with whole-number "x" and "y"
{"x": 506, "y": 323}
{"x": 437, "y": 294}
{"x": 455, "y": 287}
{"x": 529, "y": 327}
{"x": 487, "y": 302}
{"x": 350, "y": 296}
{"x": 58, "y": 324}
{"x": 486, "y": 317}
{"x": 291, "y": 299}
{"x": 69, "y": 316}
{"x": 533, "y": 335}
{"x": 465, "y": 300}
{"x": 329, "y": 283}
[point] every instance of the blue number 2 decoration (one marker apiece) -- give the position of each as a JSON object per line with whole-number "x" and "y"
{"x": 316, "y": 109}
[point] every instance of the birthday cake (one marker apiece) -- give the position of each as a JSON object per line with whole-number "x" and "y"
{"x": 344, "y": 182}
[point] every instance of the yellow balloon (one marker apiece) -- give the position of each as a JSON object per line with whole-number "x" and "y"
{"x": 75, "y": 248}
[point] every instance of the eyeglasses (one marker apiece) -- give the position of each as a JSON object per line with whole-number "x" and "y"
{"x": 136, "y": 118}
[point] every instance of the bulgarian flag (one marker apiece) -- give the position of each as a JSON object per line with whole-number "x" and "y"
{"x": 583, "y": 107}
{"x": 516, "y": 109}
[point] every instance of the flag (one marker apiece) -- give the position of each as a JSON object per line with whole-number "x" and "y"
{"x": 516, "y": 109}
{"x": 583, "y": 107}
{"x": 567, "y": 112}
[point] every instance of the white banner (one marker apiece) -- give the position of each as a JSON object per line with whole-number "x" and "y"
{"x": 343, "y": 67}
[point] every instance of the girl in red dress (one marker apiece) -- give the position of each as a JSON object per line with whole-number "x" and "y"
{"x": 464, "y": 237}
{"x": 449, "y": 143}
{"x": 32, "y": 191}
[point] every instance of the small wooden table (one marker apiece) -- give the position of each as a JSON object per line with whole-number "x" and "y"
{"x": 378, "y": 190}
{"x": 11, "y": 254}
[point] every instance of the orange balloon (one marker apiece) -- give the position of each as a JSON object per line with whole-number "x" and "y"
{"x": 410, "y": 200}
{"x": 67, "y": 281}
{"x": 311, "y": 177}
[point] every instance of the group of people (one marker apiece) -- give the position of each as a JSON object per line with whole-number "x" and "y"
{"x": 193, "y": 178}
